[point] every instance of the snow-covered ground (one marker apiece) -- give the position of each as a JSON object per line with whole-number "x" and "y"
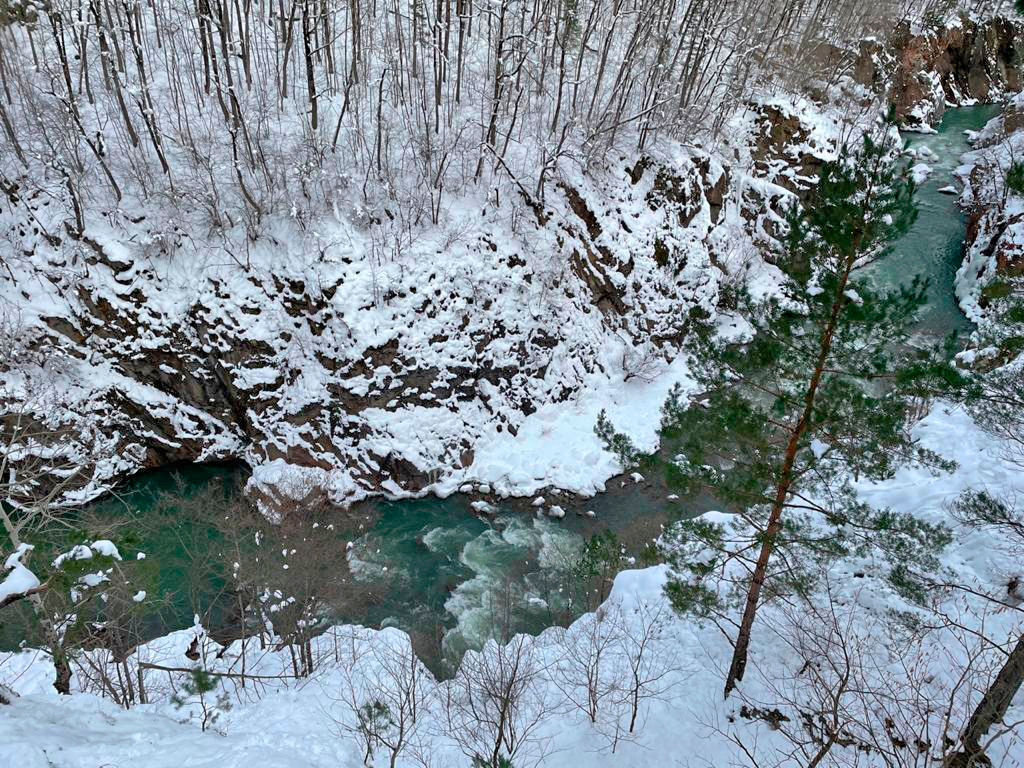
{"x": 476, "y": 354}
{"x": 682, "y": 719}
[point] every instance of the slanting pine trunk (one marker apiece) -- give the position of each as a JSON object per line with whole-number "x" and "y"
{"x": 739, "y": 656}
{"x": 992, "y": 708}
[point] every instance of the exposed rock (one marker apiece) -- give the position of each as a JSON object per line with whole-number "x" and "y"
{"x": 786, "y": 152}
{"x": 953, "y": 64}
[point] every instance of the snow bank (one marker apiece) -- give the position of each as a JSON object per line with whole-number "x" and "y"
{"x": 18, "y": 579}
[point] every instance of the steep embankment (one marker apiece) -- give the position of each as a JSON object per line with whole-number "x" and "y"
{"x": 994, "y": 253}
{"x": 460, "y": 354}
{"x": 924, "y": 72}
{"x": 374, "y": 370}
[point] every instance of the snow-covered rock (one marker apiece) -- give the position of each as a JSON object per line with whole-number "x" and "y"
{"x": 920, "y": 173}
{"x": 18, "y": 579}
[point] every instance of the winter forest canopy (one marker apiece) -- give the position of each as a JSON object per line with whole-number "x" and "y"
{"x": 224, "y": 116}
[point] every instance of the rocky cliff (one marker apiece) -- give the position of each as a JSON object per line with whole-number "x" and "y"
{"x": 324, "y": 363}
{"x": 993, "y": 195}
{"x": 477, "y": 352}
{"x": 924, "y": 71}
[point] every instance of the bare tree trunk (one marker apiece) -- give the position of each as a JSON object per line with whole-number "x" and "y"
{"x": 491, "y": 135}
{"x": 992, "y": 708}
{"x": 61, "y": 665}
{"x": 462, "y": 12}
{"x": 307, "y": 47}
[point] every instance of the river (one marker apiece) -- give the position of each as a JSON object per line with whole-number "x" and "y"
{"x": 933, "y": 247}
{"x": 433, "y": 568}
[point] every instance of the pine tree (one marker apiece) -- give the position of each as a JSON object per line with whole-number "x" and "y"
{"x": 819, "y": 393}
{"x": 601, "y": 558}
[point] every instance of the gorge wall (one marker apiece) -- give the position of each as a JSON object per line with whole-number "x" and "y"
{"x": 326, "y": 363}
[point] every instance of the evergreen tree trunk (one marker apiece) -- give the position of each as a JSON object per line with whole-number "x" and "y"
{"x": 738, "y": 664}
{"x": 992, "y": 708}
{"x": 739, "y": 656}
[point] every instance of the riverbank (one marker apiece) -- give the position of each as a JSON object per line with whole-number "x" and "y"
{"x": 302, "y": 723}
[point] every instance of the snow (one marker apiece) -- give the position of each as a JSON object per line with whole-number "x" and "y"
{"x": 531, "y": 430}
{"x": 480, "y": 354}
{"x": 818, "y": 448}
{"x": 920, "y": 173}
{"x": 106, "y": 548}
{"x": 291, "y": 724}
{"x": 18, "y": 579}
{"x": 557, "y": 445}
{"x": 102, "y": 547}
{"x": 77, "y": 552}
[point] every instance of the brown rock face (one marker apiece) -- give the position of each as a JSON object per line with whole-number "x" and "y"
{"x": 949, "y": 65}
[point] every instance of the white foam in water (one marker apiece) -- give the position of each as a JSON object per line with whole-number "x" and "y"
{"x": 363, "y": 570}
{"x": 498, "y": 559}
{"x": 476, "y": 604}
{"x": 559, "y": 548}
{"x": 369, "y": 562}
{"x": 446, "y": 541}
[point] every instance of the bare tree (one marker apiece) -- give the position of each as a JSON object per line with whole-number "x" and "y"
{"x": 850, "y": 689}
{"x": 387, "y": 697}
{"x": 649, "y": 661}
{"x": 436, "y": 95}
{"x": 1004, "y": 524}
{"x": 33, "y": 476}
{"x": 584, "y": 671}
{"x": 498, "y": 703}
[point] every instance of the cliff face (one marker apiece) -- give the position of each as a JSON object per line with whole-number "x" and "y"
{"x": 326, "y": 364}
{"x": 478, "y": 352}
{"x": 923, "y": 72}
{"x": 993, "y": 267}
{"x": 382, "y": 371}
